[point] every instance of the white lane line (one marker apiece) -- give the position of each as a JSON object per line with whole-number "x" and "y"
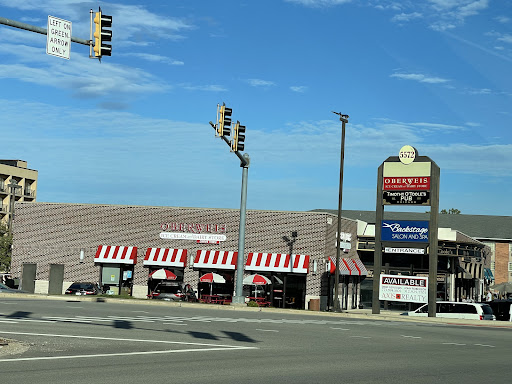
{"x": 128, "y": 353}
{"x": 120, "y": 339}
{"x": 411, "y": 337}
{"x": 485, "y": 345}
{"x": 174, "y": 324}
{"x": 8, "y": 321}
{"x": 362, "y": 337}
{"x": 453, "y": 344}
{"x": 341, "y": 329}
{"x": 72, "y": 306}
{"x": 140, "y": 311}
{"x": 267, "y": 330}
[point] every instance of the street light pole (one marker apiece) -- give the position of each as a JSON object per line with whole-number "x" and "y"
{"x": 336, "y": 301}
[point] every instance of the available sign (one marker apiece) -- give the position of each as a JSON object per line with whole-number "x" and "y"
{"x": 405, "y": 230}
{"x": 406, "y": 197}
{"x": 411, "y": 289}
{"x": 406, "y": 183}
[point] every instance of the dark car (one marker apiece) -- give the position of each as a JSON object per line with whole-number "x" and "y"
{"x": 172, "y": 291}
{"x": 83, "y": 288}
{"x": 5, "y": 289}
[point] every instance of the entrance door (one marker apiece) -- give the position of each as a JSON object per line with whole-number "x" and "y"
{"x": 28, "y": 277}
{"x": 56, "y": 279}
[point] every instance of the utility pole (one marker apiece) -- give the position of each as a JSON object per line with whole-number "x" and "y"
{"x": 336, "y": 302}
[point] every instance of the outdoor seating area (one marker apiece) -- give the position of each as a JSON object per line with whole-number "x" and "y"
{"x": 215, "y": 299}
{"x": 261, "y": 301}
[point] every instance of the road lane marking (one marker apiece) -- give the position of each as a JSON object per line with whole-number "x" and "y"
{"x": 361, "y": 337}
{"x": 267, "y": 330}
{"x": 453, "y": 344}
{"x": 411, "y": 337}
{"x": 341, "y": 329}
{"x": 485, "y": 345}
{"x": 126, "y": 354}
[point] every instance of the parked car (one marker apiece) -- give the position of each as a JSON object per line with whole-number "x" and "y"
{"x": 172, "y": 291}
{"x": 83, "y": 288}
{"x": 501, "y": 309}
{"x": 5, "y": 289}
{"x": 456, "y": 310}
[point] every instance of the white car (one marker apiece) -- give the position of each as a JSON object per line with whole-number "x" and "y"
{"x": 456, "y": 310}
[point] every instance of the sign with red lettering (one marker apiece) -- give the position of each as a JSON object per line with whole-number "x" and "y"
{"x": 406, "y": 183}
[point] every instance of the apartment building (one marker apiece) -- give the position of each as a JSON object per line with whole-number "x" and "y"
{"x": 17, "y": 184}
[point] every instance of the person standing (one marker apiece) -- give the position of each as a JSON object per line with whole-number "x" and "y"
{"x": 489, "y": 296}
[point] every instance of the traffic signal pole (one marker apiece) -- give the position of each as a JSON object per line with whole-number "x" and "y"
{"x": 244, "y": 164}
{"x": 33, "y": 28}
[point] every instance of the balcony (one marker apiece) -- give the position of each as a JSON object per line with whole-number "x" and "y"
{"x": 29, "y": 192}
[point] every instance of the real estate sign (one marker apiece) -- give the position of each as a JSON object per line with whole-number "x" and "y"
{"x": 411, "y": 289}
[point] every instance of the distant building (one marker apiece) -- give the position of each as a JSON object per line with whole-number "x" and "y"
{"x": 493, "y": 231}
{"x": 17, "y": 184}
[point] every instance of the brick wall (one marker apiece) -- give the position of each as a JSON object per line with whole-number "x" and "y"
{"x": 47, "y": 233}
{"x": 501, "y": 258}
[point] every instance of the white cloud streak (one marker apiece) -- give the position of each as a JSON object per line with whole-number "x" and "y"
{"x": 420, "y": 78}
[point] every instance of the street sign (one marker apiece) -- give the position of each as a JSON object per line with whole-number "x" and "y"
{"x": 58, "y": 38}
{"x": 406, "y": 197}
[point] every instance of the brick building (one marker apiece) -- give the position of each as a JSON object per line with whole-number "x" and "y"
{"x": 119, "y": 245}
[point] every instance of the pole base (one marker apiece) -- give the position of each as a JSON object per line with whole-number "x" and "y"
{"x": 238, "y": 300}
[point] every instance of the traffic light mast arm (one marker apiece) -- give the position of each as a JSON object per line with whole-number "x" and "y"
{"x": 244, "y": 160}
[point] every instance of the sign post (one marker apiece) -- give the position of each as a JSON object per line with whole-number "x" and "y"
{"x": 407, "y": 179}
{"x": 58, "y": 41}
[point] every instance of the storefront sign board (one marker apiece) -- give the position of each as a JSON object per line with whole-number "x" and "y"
{"x": 411, "y": 289}
{"x": 413, "y": 251}
{"x": 406, "y": 197}
{"x": 405, "y": 231}
{"x": 192, "y": 236}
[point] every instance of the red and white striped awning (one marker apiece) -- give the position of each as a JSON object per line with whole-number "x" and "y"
{"x": 116, "y": 254}
{"x": 166, "y": 257}
{"x": 277, "y": 262}
{"x": 215, "y": 259}
{"x": 349, "y": 267}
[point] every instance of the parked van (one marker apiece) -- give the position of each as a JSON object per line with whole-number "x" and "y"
{"x": 456, "y": 310}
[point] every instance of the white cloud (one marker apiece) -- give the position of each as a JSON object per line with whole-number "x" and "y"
{"x": 502, "y": 19}
{"x": 506, "y": 39}
{"x": 319, "y": 3}
{"x": 260, "y": 83}
{"x": 207, "y": 88}
{"x": 406, "y": 17}
{"x": 299, "y": 88}
{"x": 420, "y": 78}
{"x": 156, "y": 58}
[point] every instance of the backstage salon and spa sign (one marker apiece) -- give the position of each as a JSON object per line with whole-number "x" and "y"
{"x": 405, "y": 230}
{"x": 411, "y": 289}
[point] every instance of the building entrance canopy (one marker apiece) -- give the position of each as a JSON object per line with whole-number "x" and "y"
{"x": 349, "y": 267}
{"x": 277, "y": 262}
{"x": 116, "y": 254}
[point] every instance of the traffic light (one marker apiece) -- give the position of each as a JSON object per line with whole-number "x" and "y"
{"x": 224, "y": 121}
{"x": 102, "y": 34}
{"x": 237, "y": 143}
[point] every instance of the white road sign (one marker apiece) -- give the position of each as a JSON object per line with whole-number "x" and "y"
{"x": 58, "y": 41}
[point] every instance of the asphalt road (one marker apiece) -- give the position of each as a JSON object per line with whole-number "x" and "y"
{"x": 58, "y": 341}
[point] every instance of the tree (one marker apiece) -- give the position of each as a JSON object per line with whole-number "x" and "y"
{"x": 451, "y": 211}
{"x": 5, "y": 248}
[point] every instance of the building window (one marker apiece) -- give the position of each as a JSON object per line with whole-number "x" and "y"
{"x": 510, "y": 266}
{"x": 493, "y": 265}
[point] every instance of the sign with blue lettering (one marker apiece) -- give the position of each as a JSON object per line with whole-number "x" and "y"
{"x": 405, "y": 231}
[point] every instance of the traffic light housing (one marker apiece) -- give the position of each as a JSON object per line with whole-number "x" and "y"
{"x": 102, "y": 34}
{"x": 224, "y": 121}
{"x": 237, "y": 142}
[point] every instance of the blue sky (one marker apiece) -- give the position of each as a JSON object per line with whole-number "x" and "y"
{"x": 133, "y": 129}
